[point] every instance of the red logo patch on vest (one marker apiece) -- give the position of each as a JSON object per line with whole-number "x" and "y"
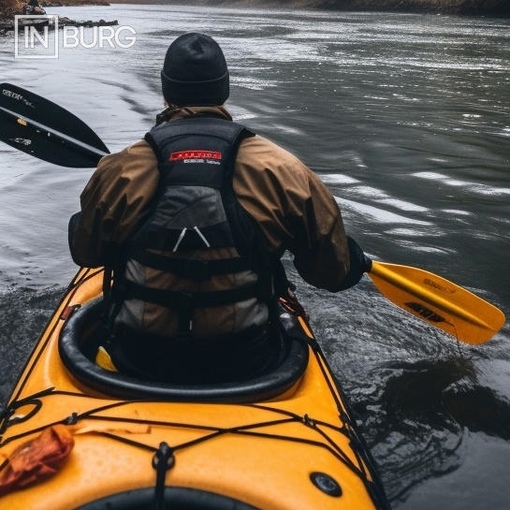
{"x": 194, "y": 155}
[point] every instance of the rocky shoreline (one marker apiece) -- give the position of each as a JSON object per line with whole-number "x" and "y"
{"x": 71, "y": 3}
{"x": 7, "y": 13}
{"x": 496, "y": 8}
{"x": 9, "y": 8}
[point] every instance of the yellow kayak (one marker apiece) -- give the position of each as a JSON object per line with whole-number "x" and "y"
{"x": 77, "y": 436}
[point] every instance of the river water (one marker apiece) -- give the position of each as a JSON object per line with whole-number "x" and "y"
{"x": 406, "y": 118}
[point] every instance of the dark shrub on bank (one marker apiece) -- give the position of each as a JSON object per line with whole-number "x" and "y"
{"x": 8, "y": 8}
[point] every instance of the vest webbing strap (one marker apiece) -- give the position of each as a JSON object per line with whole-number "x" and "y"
{"x": 184, "y": 303}
{"x": 192, "y": 269}
{"x": 183, "y": 300}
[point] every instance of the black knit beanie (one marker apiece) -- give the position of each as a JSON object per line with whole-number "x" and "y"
{"x": 195, "y": 72}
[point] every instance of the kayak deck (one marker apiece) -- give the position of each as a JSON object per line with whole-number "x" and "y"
{"x": 292, "y": 448}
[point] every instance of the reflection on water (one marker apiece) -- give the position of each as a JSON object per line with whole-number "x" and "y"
{"x": 405, "y": 118}
{"x": 23, "y": 315}
{"x": 426, "y": 408}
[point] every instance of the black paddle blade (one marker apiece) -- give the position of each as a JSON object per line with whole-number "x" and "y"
{"x": 41, "y": 110}
{"x": 47, "y": 131}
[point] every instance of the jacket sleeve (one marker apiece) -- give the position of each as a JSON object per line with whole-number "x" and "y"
{"x": 295, "y": 210}
{"x": 113, "y": 203}
{"x": 319, "y": 244}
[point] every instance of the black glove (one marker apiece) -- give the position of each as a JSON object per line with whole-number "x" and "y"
{"x": 73, "y": 224}
{"x": 360, "y": 264}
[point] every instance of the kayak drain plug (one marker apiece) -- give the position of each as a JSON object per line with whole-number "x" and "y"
{"x": 326, "y": 484}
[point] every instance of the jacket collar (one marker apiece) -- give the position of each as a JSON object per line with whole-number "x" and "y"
{"x": 177, "y": 112}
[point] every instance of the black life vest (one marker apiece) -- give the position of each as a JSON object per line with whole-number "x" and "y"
{"x": 196, "y": 210}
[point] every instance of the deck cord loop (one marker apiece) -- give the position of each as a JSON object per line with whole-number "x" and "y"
{"x": 162, "y": 461}
{"x": 72, "y": 419}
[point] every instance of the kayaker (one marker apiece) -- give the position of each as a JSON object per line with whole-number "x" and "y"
{"x": 193, "y": 221}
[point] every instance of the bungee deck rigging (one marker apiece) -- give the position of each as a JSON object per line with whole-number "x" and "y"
{"x": 253, "y": 429}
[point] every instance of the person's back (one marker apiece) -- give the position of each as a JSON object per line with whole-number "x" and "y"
{"x": 193, "y": 220}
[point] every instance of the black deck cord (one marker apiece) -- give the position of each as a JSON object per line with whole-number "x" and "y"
{"x": 162, "y": 461}
{"x": 281, "y": 282}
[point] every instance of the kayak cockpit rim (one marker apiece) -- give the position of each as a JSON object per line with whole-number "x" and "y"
{"x": 265, "y": 387}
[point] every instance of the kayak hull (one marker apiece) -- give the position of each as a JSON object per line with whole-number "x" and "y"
{"x": 289, "y": 448}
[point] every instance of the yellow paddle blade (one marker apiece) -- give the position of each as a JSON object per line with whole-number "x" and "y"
{"x": 438, "y": 301}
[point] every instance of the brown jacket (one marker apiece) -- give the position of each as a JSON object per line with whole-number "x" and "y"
{"x": 294, "y": 209}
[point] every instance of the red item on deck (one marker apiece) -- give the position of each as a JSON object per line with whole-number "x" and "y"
{"x": 36, "y": 459}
